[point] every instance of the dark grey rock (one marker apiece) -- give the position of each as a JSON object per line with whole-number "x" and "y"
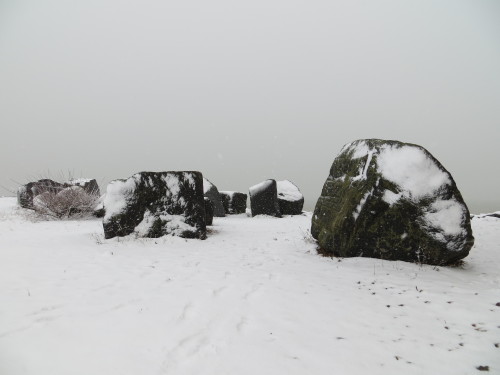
{"x": 290, "y": 199}
{"x": 209, "y": 211}
{"x": 26, "y": 193}
{"x": 153, "y": 204}
{"x": 234, "y": 202}
{"x": 264, "y": 199}
{"x": 211, "y": 192}
{"x": 391, "y": 200}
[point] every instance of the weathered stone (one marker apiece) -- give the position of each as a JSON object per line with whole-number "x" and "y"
{"x": 234, "y": 202}
{"x": 391, "y": 200}
{"x": 264, "y": 199}
{"x": 290, "y": 199}
{"x": 153, "y": 204}
{"x": 209, "y": 211}
{"x": 26, "y": 193}
{"x": 211, "y": 192}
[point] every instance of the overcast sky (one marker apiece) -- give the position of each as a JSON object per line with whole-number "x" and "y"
{"x": 247, "y": 90}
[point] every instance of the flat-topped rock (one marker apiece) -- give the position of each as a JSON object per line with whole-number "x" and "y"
{"x": 153, "y": 204}
{"x": 290, "y": 199}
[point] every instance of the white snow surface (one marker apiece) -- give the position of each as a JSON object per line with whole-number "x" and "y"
{"x": 254, "y": 298}
{"x": 412, "y": 170}
{"x": 175, "y": 224}
{"x": 447, "y": 215}
{"x": 288, "y": 191}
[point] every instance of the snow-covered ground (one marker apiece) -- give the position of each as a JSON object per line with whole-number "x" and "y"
{"x": 254, "y": 298}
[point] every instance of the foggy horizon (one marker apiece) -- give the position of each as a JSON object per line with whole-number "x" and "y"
{"x": 243, "y": 92}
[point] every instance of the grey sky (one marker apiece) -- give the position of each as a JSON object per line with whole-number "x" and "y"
{"x": 247, "y": 90}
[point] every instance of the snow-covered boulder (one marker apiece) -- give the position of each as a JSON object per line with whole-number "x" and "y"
{"x": 264, "y": 199}
{"x": 209, "y": 211}
{"x": 234, "y": 202}
{"x": 211, "y": 192}
{"x": 26, "y": 193}
{"x": 290, "y": 199}
{"x": 391, "y": 200}
{"x": 153, "y": 204}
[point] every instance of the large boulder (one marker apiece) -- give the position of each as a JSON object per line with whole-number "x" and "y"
{"x": 234, "y": 202}
{"x": 211, "y": 192}
{"x": 264, "y": 199}
{"x": 153, "y": 204}
{"x": 391, "y": 200}
{"x": 290, "y": 199}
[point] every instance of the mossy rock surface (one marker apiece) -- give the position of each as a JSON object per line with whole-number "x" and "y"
{"x": 154, "y": 204}
{"x": 391, "y": 200}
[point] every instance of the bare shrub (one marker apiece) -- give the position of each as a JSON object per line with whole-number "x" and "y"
{"x": 72, "y": 202}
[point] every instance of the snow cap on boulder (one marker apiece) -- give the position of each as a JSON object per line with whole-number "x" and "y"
{"x": 264, "y": 199}
{"x": 391, "y": 200}
{"x": 153, "y": 204}
{"x": 290, "y": 199}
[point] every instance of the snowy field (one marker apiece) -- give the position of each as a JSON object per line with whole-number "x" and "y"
{"x": 254, "y": 298}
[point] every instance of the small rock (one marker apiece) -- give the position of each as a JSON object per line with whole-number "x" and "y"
{"x": 234, "y": 202}
{"x": 290, "y": 199}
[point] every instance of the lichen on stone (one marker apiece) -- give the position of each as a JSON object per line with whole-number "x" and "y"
{"x": 391, "y": 200}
